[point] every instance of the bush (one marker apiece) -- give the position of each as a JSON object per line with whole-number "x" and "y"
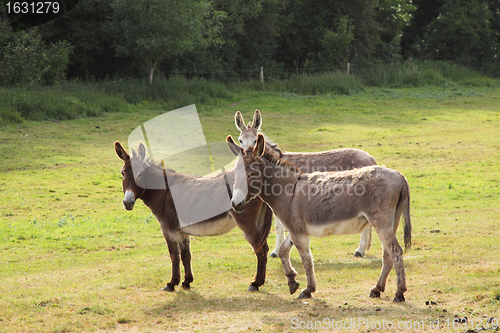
{"x": 26, "y": 60}
{"x": 420, "y": 73}
{"x": 21, "y": 61}
{"x": 331, "y": 83}
{"x": 54, "y": 103}
{"x": 173, "y": 92}
{"x": 8, "y": 114}
{"x": 55, "y": 63}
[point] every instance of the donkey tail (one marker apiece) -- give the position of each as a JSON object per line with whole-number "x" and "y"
{"x": 266, "y": 227}
{"x": 405, "y": 201}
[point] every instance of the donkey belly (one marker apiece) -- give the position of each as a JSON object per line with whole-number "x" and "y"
{"x": 215, "y": 226}
{"x": 352, "y": 226}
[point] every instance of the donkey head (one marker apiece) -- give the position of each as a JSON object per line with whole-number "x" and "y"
{"x": 248, "y": 172}
{"x": 131, "y": 190}
{"x": 248, "y": 133}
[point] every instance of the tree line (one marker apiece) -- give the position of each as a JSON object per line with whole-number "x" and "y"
{"x": 97, "y": 39}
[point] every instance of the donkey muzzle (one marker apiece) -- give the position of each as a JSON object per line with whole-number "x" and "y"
{"x": 238, "y": 200}
{"x": 129, "y": 200}
{"x": 238, "y": 206}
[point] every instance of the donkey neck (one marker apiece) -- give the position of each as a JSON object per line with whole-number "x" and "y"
{"x": 155, "y": 198}
{"x": 278, "y": 181}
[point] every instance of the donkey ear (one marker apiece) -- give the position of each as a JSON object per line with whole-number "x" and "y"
{"x": 238, "y": 120}
{"x": 257, "y": 120}
{"x": 141, "y": 151}
{"x": 233, "y": 147}
{"x": 260, "y": 146}
{"x": 120, "y": 151}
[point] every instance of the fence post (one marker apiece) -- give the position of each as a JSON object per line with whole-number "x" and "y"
{"x": 348, "y": 67}
{"x": 261, "y": 74}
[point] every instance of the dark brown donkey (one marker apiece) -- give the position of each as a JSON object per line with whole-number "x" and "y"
{"x": 255, "y": 220}
{"x": 331, "y": 160}
{"x": 326, "y": 203}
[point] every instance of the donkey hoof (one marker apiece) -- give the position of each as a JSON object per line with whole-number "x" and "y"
{"x": 273, "y": 255}
{"x": 186, "y": 286}
{"x": 358, "y": 255}
{"x": 168, "y": 288}
{"x": 253, "y": 288}
{"x": 374, "y": 293}
{"x": 304, "y": 295}
{"x": 293, "y": 287}
{"x": 399, "y": 298}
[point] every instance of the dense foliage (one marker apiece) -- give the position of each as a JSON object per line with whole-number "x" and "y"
{"x": 226, "y": 39}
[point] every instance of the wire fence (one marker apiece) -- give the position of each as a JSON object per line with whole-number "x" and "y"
{"x": 369, "y": 73}
{"x": 262, "y": 73}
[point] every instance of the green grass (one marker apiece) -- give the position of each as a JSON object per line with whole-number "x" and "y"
{"x": 72, "y": 259}
{"x": 92, "y": 99}
{"x": 421, "y": 73}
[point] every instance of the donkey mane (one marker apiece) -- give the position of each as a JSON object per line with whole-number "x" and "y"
{"x": 174, "y": 177}
{"x": 273, "y": 145}
{"x": 152, "y": 163}
{"x": 277, "y": 161}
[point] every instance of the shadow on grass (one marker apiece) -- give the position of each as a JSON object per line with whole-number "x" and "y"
{"x": 366, "y": 263}
{"x": 265, "y": 302}
{"x": 193, "y": 301}
{"x": 279, "y": 311}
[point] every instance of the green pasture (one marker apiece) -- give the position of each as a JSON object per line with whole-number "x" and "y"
{"x": 73, "y": 260}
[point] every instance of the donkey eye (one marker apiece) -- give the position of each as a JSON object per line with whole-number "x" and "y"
{"x": 123, "y": 174}
{"x": 240, "y": 141}
{"x": 254, "y": 141}
{"x": 251, "y": 175}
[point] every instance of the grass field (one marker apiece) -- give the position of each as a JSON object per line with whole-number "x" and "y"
{"x": 72, "y": 259}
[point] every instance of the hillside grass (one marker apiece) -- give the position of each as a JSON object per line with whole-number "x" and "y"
{"x": 73, "y": 260}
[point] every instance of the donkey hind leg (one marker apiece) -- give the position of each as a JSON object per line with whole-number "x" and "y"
{"x": 290, "y": 272}
{"x": 302, "y": 244}
{"x": 173, "y": 249}
{"x": 184, "y": 245}
{"x": 386, "y": 269}
{"x": 395, "y": 254}
{"x": 280, "y": 237}
{"x": 365, "y": 242}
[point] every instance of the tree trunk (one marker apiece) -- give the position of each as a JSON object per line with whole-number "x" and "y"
{"x": 151, "y": 72}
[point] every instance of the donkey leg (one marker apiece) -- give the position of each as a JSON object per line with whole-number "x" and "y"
{"x": 252, "y": 236}
{"x": 260, "y": 277}
{"x": 184, "y": 245}
{"x": 254, "y": 229}
{"x": 302, "y": 244}
{"x": 173, "y": 249}
{"x": 280, "y": 236}
{"x": 290, "y": 272}
{"x": 391, "y": 245}
{"x": 386, "y": 268}
{"x": 365, "y": 242}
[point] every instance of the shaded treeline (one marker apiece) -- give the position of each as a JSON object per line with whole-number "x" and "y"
{"x": 227, "y": 39}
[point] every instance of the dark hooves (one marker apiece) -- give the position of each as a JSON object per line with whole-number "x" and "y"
{"x": 168, "y": 288}
{"x": 293, "y": 287}
{"x": 186, "y": 286}
{"x": 304, "y": 295}
{"x": 374, "y": 294}
{"x": 398, "y": 298}
{"x": 253, "y": 288}
{"x": 358, "y": 255}
{"x": 273, "y": 255}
